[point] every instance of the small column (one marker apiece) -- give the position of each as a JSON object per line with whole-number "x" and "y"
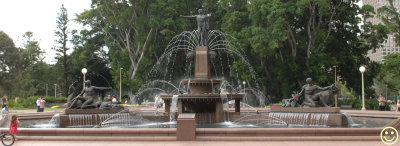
{"x": 167, "y": 106}
{"x": 219, "y": 112}
{"x": 180, "y": 107}
{"x": 237, "y": 105}
{"x": 186, "y": 127}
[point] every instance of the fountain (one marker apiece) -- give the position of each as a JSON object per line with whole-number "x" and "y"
{"x": 204, "y": 98}
{"x": 201, "y": 99}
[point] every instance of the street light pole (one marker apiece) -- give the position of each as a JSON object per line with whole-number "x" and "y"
{"x": 120, "y": 85}
{"x": 386, "y": 92}
{"x": 336, "y": 96}
{"x": 47, "y": 88}
{"x": 362, "y": 70}
{"x": 55, "y": 90}
{"x": 244, "y": 91}
{"x": 84, "y": 71}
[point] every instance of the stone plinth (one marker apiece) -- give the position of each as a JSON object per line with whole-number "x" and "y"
{"x": 186, "y": 127}
{"x": 306, "y": 110}
{"x": 92, "y": 111}
{"x": 202, "y": 68}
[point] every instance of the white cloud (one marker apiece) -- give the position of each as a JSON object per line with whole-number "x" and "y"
{"x": 39, "y": 17}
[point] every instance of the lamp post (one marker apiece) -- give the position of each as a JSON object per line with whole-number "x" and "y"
{"x": 362, "y": 70}
{"x": 120, "y": 84}
{"x": 244, "y": 91}
{"x": 55, "y": 90}
{"x": 47, "y": 88}
{"x": 336, "y": 96}
{"x": 386, "y": 91}
{"x": 84, "y": 71}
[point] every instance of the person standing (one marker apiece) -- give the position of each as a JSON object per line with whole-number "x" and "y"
{"x": 4, "y": 112}
{"x": 398, "y": 101}
{"x": 109, "y": 98}
{"x": 114, "y": 100}
{"x": 14, "y": 126}
{"x": 382, "y": 102}
{"x": 42, "y": 101}
{"x": 4, "y": 101}
{"x": 38, "y": 104}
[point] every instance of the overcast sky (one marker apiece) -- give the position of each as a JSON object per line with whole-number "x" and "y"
{"x": 39, "y": 17}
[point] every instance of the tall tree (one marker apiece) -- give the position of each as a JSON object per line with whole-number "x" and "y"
{"x": 136, "y": 32}
{"x": 9, "y": 58}
{"x": 292, "y": 40}
{"x": 61, "y": 33}
{"x": 390, "y": 16}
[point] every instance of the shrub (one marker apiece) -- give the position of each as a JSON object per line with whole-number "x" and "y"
{"x": 370, "y": 104}
{"x": 30, "y": 102}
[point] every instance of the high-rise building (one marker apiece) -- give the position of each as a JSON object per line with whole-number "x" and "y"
{"x": 389, "y": 46}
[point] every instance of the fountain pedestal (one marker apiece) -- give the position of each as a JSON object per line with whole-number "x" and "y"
{"x": 202, "y": 100}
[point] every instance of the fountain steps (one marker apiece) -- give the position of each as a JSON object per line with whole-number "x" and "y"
{"x": 395, "y": 124}
{"x": 98, "y": 138}
{"x": 202, "y": 134}
{"x": 268, "y": 132}
{"x": 90, "y": 132}
{"x": 288, "y": 138}
{"x": 201, "y": 138}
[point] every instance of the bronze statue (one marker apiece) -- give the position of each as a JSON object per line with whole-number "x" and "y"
{"x": 86, "y": 97}
{"x": 202, "y": 26}
{"x": 315, "y": 96}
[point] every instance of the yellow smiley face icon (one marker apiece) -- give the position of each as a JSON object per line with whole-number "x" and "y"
{"x": 389, "y": 135}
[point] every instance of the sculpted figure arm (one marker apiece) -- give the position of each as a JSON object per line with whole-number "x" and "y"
{"x": 300, "y": 93}
{"x": 102, "y": 88}
{"x": 323, "y": 88}
{"x": 193, "y": 16}
{"x": 296, "y": 98}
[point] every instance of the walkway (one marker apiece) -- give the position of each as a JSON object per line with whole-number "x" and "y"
{"x": 198, "y": 143}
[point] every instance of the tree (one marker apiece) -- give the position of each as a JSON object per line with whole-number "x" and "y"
{"x": 135, "y": 32}
{"x": 9, "y": 58}
{"x": 289, "y": 41}
{"x": 390, "y": 16}
{"x": 388, "y": 80}
{"x": 89, "y": 52}
{"x": 62, "y": 33}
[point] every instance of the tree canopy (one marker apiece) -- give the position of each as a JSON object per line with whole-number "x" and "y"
{"x": 285, "y": 41}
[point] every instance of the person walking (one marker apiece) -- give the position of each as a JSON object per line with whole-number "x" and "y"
{"x": 42, "y": 101}
{"x": 398, "y": 101}
{"x": 4, "y": 101}
{"x": 38, "y": 104}
{"x": 382, "y": 102}
{"x": 14, "y": 126}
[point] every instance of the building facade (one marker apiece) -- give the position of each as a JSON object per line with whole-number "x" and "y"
{"x": 389, "y": 46}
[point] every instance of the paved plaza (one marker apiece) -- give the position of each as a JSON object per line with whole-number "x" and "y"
{"x": 48, "y": 142}
{"x": 198, "y": 143}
